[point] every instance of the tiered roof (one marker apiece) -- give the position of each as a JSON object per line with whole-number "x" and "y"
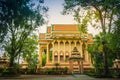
{"x": 62, "y": 27}
{"x": 64, "y": 30}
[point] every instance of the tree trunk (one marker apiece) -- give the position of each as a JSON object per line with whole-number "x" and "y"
{"x": 18, "y": 58}
{"x": 11, "y": 61}
{"x": 106, "y": 68}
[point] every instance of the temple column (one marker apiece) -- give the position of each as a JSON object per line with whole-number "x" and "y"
{"x": 58, "y": 51}
{"x": 81, "y": 52}
{"x": 82, "y": 70}
{"x": 64, "y": 50}
{"x": 75, "y": 43}
{"x": 40, "y": 57}
{"x": 86, "y": 52}
{"x": 79, "y": 66}
{"x": 70, "y": 48}
{"x": 70, "y": 66}
{"x": 47, "y": 60}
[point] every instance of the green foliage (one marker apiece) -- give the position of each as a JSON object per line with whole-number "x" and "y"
{"x": 65, "y": 69}
{"x": 19, "y": 18}
{"x": 82, "y": 19}
{"x": 29, "y": 51}
{"x": 116, "y": 38}
{"x": 56, "y": 65}
{"x": 101, "y": 11}
{"x": 50, "y": 55}
{"x": 43, "y": 59}
{"x": 97, "y": 51}
{"x": 104, "y": 14}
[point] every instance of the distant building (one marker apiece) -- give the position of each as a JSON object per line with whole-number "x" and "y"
{"x": 59, "y": 42}
{"x": 4, "y": 61}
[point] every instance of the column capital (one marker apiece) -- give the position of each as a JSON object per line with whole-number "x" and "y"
{"x": 58, "y": 41}
{"x": 75, "y": 42}
{"x": 69, "y": 42}
{"x": 81, "y": 42}
{"x": 53, "y": 43}
{"x": 48, "y": 43}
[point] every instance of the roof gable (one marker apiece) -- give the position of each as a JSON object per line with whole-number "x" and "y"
{"x": 42, "y": 36}
{"x": 48, "y": 29}
{"x": 65, "y": 28}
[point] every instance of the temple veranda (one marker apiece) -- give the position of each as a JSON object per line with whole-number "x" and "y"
{"x": 58, "y": 44}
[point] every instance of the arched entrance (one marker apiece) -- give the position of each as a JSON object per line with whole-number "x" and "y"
{"x": 43, "y": 57}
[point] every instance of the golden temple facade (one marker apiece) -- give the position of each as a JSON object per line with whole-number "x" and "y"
{"x": 58, "y": 43}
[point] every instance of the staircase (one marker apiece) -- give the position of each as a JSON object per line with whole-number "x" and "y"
{"x": 75, "y": 69}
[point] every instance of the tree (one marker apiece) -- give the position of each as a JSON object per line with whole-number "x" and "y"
{"x": 82, "y": 17}
{"x": 56, "y": 65}
{"x": 19, "y": 18}
{"x": 115, "y": 45}
{"x": 103, "y": 12}
{"x": 97, "y": 52}
{"x": 29, "y": 51}
{"x": 44, "y": 58}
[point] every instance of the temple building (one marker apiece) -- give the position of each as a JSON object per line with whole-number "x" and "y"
{"x": 61, "y": 42}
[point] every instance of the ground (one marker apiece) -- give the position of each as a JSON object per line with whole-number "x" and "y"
{"x": 55, "y": 77}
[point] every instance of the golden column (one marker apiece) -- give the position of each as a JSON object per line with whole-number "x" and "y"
{"x": 75, "y": 43}
{"x": 47, "y": 60}
{"x": 64, "y": 50}
{"x": 82, "y": 70}
{"x": 81, "y": 52}
{"x": 58, "y": 51}
{"x": 40, "y": 57}
{"x": 86, "y": 52}
{"x": 69, "y": 48}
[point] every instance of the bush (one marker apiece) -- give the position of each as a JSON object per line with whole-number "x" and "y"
{"x": 49, "y": 71}
{"x": 10, "y": 72}
{"x": 65, "y": 70}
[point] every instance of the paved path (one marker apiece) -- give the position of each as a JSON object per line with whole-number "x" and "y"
{"x": 55, "y": 77}
{"x": 83, "y": 77}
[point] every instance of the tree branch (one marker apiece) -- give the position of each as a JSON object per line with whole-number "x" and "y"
{"x": 101, "y": 18}
{"x": 110, "y": 23}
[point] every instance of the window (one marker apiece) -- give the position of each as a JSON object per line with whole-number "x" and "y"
{"x": 61, "y": 58}
{"x": 56, "y": 58}
{"x": 66, "y": 57}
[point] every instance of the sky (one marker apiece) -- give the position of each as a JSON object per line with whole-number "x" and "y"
{"x": 55, "y": 16}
